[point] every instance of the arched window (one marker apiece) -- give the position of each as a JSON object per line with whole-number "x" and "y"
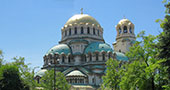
{"x": 120, "y": 30}
{"x": 70, "y": 31}
{"x": 65, "y": 33}
{"x": 63, "y": 59}
{"x": 93, "y": 80}
{"x": 98, "y": 32}
{"x": 75, "y": 30}
{"x": 51, "y": 62}
{"x": 50, "y": 56}
{"x": 88, "y": 30}
{"x": 69, "y": 59}
{"x": 119, "y": 50}
{"x": 124, "y": 29}
{"x": 94, "y": 32}
{"x": 56, "y": 57}
{"x": 90, "y": 57}
{"x": 103, "y": 56}
{"x": 130, "y": 30}
{"x": 97, "y": 56}
{"x": 82, "y": 31}
{"x": 75, "y": 80}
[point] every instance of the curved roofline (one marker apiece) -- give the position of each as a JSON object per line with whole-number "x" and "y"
{"x": 93, "y": 43}
{"x": 76, "y": 19}
{"x": 56, "y": 46}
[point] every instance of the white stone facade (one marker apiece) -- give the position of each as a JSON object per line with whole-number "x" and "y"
{"x": 82, "y": 51}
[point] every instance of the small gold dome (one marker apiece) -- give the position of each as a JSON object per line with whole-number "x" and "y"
{"x": 82, "y": 18}
{"x": 125, "y": 21}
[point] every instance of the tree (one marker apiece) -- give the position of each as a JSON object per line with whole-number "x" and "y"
{"x": 1, "y": 58}
{"x": 164, "y": 37}
{"x": 112, "y": 78}
{"x": 26, "y": 73}
{"x": 47, "y": 81}
{"x": 10, "y": 78}
{"x": 145, "y": 71}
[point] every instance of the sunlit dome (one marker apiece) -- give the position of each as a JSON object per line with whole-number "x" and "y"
{"x": 124, "y": 21}
{"x": 82, "y": 18}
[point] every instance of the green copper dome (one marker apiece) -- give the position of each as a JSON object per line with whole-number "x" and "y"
{"x": 61, "y": 48}
{"x": 82, "y": 18}
{"x": 121, "y": 56}
{"x": 98, "y": 46}
{"x": 40, "y": 73}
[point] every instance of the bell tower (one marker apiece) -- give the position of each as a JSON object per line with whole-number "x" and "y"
{"x": 125, "y": 36}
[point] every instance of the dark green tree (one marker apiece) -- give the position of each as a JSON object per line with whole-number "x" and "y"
{"x": 26, "y": 73}
{"x": 164, "y": 37}
{"x": 10, "y": 78}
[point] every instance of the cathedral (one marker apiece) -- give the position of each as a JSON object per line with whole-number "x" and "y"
{"x": 82, "y": 52}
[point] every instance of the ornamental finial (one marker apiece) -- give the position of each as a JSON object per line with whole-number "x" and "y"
{"x": 124, "y": 17}
{"x": 81, "y": 10}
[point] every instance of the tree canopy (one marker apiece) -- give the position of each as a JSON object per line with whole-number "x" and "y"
{"x": 10, "y": 78}
{"x": 47, "y": 81}
{"x": 143, "y": 71}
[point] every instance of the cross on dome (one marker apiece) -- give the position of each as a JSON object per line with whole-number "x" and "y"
{"x": 81, "y": 10}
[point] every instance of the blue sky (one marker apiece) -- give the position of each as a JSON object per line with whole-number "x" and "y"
{"x": 29, "y": 28}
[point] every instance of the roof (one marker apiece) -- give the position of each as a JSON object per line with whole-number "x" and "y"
{"x": 121, "y": 56}
{"x": 40, "y": 73}
{"x": 61, "y": 48}
{"x": 98, "y": 46}
{"x": 124, "y": 21}
{"x": 82, "y": 18}
{"x": 76, "y": 73}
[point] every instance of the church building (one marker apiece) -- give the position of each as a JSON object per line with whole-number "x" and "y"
{"x": 82, "y": 52}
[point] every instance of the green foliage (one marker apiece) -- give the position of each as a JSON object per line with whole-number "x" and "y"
{"x": 47, "y": 81}
{"x": 26, "y": 73}
{"x": 143, "y": 71}
{"x": 112, "y": 78}
{"x": 164, "y": 37}
{"x": 10, "y": 78}
{"x": 1, "y": 58}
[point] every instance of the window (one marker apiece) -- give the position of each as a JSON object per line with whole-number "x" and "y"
{"x": 50, "y": 56}
{"x": 94, "y": 31}
{"x": 120, "y": 30}
{"x": 98, "y": 32}
{"x": 69, "y": 59}
{"x": 65, "y": 33}
{"x": 93, "y": 80}
{"x": 90, "y": 56}
{"x": 76, "y": 80}
{"x": 119, "y": 50}
{"x": 63, "y": 59}
{"x": 97, "y": 56}
{"x": 51, "y": 62}
{"x": 75, "y": 30}
{"x": 125, "y": 29}
{"x": 130, "y": 30}
{"x": 82, "y": 31}
{"x": 103, "y": 56}
{"x": 88, "y": 30}
{"x": 70, "y": 31}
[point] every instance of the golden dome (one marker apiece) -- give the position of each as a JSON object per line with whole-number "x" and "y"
{"x": 124, "y": 21}
{"x": 82, "y": 18}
